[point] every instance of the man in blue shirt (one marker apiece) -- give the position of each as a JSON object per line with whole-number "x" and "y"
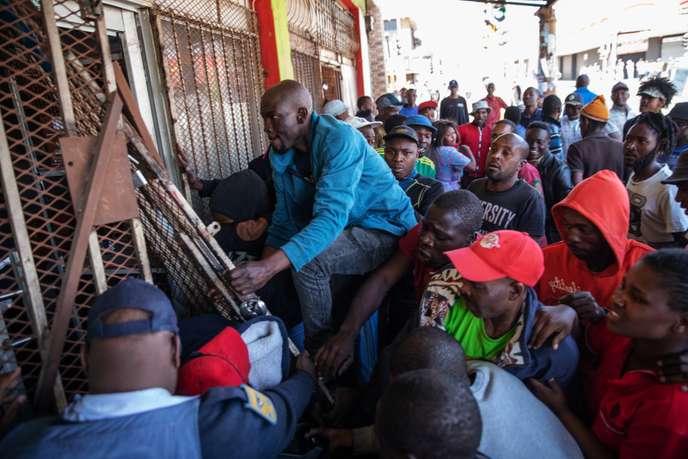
{"x": 132, "y": 355}
{"x": 582, "y": 83}
{"x": 339, "y": 209}
{"x": 410, "y": 108}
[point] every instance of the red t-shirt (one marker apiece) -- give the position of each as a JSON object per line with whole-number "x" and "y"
{"x": 496, "y": 105}
{"x": 408, "y": 245}
{"x": 478, "y": 140}
{"x": 564, "y": 274}
{"x": 636, "y": 416}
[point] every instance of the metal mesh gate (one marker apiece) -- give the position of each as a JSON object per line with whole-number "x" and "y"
{"x": 211, "y": 58}
{"x": 307, "y": 72}
{"x": 33, "y": 122}
{"x": 316, "y": 24}
{"x": 49, "y": 88}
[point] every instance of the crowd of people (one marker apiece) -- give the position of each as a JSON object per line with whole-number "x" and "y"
{"x": 461, "y": 282}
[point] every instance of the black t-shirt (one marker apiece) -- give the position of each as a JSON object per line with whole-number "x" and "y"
{"x": 422, "y": 191}
{"x": 454, "y": 109}
{"x": 520, "y": 208}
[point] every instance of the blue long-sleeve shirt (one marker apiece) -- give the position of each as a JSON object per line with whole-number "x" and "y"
{"x": 222, "y": 423}
{"x": 349, "y": 185}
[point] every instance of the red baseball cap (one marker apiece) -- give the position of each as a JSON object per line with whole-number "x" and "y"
{"x": 498, "y": 255}
{"x": 427, "y": 104}
{"x": 221, "y": 362}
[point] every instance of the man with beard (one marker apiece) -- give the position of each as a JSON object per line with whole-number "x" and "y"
{"x": 339, "y": 209}
{"x": 509, "y": 202}
{"x": 656, "y": 217}
{"x": 451, "y": 223}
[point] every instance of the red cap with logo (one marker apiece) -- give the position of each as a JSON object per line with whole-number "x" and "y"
{"x": 221, "y": 362}
{"x": 498, "y": 255}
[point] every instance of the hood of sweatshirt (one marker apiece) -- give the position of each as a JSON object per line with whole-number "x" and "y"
{"x": 602, "y": 199}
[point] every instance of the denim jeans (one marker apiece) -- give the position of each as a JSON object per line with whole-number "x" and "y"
{"x": 355, "y": 251}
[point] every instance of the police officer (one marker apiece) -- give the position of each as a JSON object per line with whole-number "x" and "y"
{"x": 132, "y": 355}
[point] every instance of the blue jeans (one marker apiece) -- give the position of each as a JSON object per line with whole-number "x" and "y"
{"x": 356, "y": 251}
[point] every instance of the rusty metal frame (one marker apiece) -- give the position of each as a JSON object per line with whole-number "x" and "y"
{"x": 86, "y": 213}
{"x": 27, "y": 278}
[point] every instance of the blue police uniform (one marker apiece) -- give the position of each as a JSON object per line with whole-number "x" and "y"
{"x": 237, "y": 423}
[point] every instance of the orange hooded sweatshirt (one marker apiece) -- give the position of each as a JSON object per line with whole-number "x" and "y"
{"x": 602, "y": 199}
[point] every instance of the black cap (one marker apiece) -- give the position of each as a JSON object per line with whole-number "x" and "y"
{"x": 402, "y": 131}
{"x": 453, "y": 84}
{"x": 574, "y": 99}
{"x": 680, "y": 174}
{"x": 680, "y": 111}
{"x": 241, "y": 196}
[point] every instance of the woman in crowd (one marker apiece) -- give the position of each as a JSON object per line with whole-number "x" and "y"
{"x": 449, "y": 157}
{"x": 636, "y": 414}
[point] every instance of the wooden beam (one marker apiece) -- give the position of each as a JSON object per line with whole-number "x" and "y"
{"x": 86, "y": 213}
{"x": 33, "y": 297}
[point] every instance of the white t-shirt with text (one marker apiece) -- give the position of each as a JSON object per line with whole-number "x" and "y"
{"x": 655, "y": 214}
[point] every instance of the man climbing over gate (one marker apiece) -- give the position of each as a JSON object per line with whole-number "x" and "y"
{"x": 339, "y": 209}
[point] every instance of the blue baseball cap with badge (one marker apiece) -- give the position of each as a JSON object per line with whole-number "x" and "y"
{"x": 131, "y": 293}
{"x": 420, "y": 121}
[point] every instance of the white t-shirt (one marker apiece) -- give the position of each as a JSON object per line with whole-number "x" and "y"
{"x": 516, "y": 425}
{"x": 655, "y": 214}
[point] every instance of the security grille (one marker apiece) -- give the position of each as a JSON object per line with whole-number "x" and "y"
{"x": 37, "y": 107}
{"x": 211, "y": 58}
{"x": 307, "y": 72}
{"x": 316, "y": 24}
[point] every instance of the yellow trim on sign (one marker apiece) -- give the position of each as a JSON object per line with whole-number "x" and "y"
{"x": 282, "y": 44}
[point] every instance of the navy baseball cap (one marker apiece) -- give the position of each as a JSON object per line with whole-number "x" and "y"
{"x": 453, "y": 84}
{"x": 131, "y": 293}
{"x": 420, "y": 121}
{"x": 388, "y": 100}
{"x": 402, "y": 131}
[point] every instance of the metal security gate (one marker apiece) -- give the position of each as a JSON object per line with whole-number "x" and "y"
{"x": 318, "y": 27}
{"x": 39, "y": 204}
{"x": 55, "y": 72}
{"x": 210, "y": 54}
{"x": 307, "y": 72}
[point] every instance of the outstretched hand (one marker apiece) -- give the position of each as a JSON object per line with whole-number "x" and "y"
{"x": 555, "y": 322}
{"x": 250, "y": 277}
{"x": 585, "y": 306}
{"x": 550, "y": 394}
{"x": 336, "y": 355}
{"x": 194, "y": 181}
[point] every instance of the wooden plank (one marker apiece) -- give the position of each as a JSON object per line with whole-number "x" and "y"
{"x": 132, "y": 110}
{"x": 141, "y": 250}
{"x": 31, "y": 286}
{"x": 86, "y": 212}
{"x": 59, "y": 69}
